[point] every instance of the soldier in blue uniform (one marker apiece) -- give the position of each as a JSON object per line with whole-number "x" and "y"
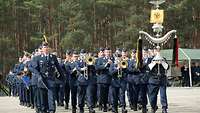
{"x": 26, "y": 79}
{"x": 82, "y": 80}
{"x": 14, "y": 85}
{"x": 137, "y": 84}
{"x": 100, "y": 56}
{"x": 118, "y": 85}
{"x": 33, "y": 67}
{"x": 48, "y": 64}
{"x": 67, "y": 62}
{"x": 196, "y": 74}
{"x": 20, "y": 83}
{"x": 9, "y": 79}
{"x": 129, "y": 94}
{"x": 158, "y": 81}
{"x": 92, "y": 86}
{"x": 73, "y": 80}
{"x": 59, "y": 84}
{"x": 104, "y": 79}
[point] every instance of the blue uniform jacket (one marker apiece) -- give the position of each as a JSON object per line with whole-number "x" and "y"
{"x": 81, "y": 79}
{"x": 47, "y": 68}
{"x": 66, "y": 70}
{"x": 118, "y": 80}
{"x": 136, "y": 76}
{"x": 104, "y": 75}
{"x": 73, "y": 73}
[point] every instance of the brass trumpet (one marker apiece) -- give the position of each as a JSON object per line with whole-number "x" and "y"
{"x": 123, "y": 64}
{"x": 90, "y": 60}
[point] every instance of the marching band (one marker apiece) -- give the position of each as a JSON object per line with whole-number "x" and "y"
{"x": 43, "y": 81}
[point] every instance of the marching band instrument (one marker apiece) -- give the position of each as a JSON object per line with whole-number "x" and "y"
{"x": 122, "y": 64}
{"x": 90, "y": 60}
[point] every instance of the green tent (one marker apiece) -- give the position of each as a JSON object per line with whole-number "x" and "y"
{"x": 183, "y": 54}
{"x": 193, "y": 54}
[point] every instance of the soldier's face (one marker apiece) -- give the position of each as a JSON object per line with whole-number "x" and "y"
{"x": 67, "y": 57}
{"x": 124, "y": 54}
{"x": 75, "y": 57}
{"x": 45, "y": 50}
{"x": 107, "y": 53}
{"x": 151, "y": 53}
{"x": 133, "y": 55}
{"x": 145, "y": 54}
{"x": 101, "y": 54}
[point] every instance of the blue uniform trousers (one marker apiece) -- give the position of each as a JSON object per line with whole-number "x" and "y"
{"x": 98, "y": 93}
{"x": 118, "y": 94}
{"x": 27, "y": 95}
{"x": 67, "y": 92}
{"x": 73, "y": 95}
{"x": 153, "y": 87}
{"x": 104, "y": 90}
{"x": 22, "y": 93}
{"x": 91, "y": 95}
{"x": 135, "y": 90}
{"x": 81, "y": 95}
{"x": 42, "y": 99}
{"x": 59, "y": 93}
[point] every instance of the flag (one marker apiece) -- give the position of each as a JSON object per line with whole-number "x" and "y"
{"x": 157, "y": 16}
{"x": 175, "y": 52}
{"x": 177, "y": 46}
{"x": 45, "y": 39}
{"x": 139, "y": 54}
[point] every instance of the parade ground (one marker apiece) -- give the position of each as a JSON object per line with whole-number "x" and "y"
{"x": 181, "y": 100}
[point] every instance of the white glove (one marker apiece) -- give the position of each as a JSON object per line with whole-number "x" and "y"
{"x": 165, "y": 65}
{"x": 151, "y": 65}
{"x": 84, "y": 68}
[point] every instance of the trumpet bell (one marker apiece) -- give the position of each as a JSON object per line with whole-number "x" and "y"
{"x": 90, "y": 60}
{"x": 124, "y": 64}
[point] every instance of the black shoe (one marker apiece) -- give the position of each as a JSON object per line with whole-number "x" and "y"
{"x": 153, "y": 110}
{"x": 43, "y": 112}
{"x": 164, "y": 111}
{"x": 109, "y": 108}
{"x": 28, "y": 105}
{"x": 58, "y": 104}
{"x": 134, "y": 107}
{"x": 139, "y": 106}
{"x": 61, "y": 104}
{"x": 114, "y": 111}
{"x": 81, "y": 110}
{"x": 73, "y": 110}
{"x": 124, "y": 110}
{"x": 96, "y": 105}
{"x": 100, "y": 107}
{"x": 131, "y": 106}
{"x": 21, "y": 103}
{"x": 32, "y": 106}
{"x": 105, "y": 109}
{"x": 51, "y": 111}
{"x": 91, "y": 110}
{"x": 144, "y": 109}
{"x": 66, "y": 106}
